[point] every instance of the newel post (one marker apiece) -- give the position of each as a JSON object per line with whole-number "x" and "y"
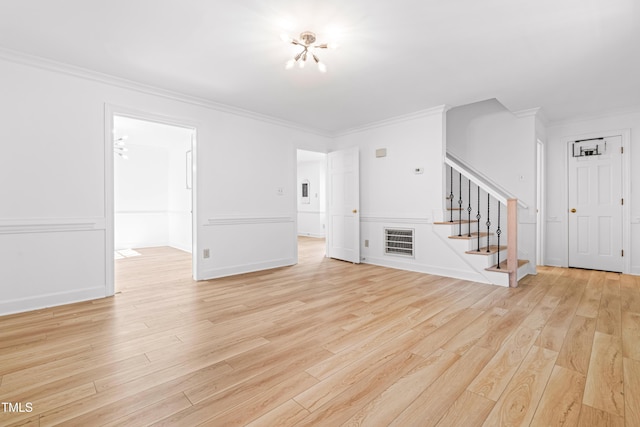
{"x": 512, "y": 242}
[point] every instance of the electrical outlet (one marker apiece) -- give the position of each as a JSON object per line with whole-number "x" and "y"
{"x": 280, "y": 191}
{"x": 206, "y": 253}
{"x": 366, "y": 243}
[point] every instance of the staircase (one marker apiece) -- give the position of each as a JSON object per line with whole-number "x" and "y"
{"x": 480, "y": 225}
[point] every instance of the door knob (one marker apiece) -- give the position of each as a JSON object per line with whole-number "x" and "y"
{"x": 573, "y": 210}
{"x": 355, "y": 211}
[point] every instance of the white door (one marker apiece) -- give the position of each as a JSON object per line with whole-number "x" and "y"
{"x": 595, "y": 204}
{"x": 343, "y": 216}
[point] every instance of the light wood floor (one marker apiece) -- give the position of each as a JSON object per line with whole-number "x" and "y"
{"x": 329, "y": 343}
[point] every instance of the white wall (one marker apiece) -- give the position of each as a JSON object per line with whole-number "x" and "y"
{"x": 141, "y": 193}
{"x": 558, "y": 134}
{"x": 393, "y": 195}
{"x": 502, "y": 147}
{"x": 54, "y": 228}
{"x": 312, "y": 215}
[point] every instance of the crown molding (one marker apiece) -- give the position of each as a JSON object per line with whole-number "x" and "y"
{"x": 527, "y": 113}
{"x": 22, "y": 58}
{"x": 591, "y": 117}
{"x": 440, "y": 109}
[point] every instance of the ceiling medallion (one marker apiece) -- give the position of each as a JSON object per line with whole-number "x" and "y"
{"x": 306, "y": 42}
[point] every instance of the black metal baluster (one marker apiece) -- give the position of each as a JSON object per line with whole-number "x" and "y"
{"x": 478, "y": 216}
{"x": 460, "y": 205}
{"x": 488, "y": 223}
{"x": 469, "y": 211}
{"x": 498, "y": 232}
{"x": 451, "y": 194}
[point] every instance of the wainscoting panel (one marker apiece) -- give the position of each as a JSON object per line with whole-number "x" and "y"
{"x": 250, "y": 244}
{"x": 47, "y": 263}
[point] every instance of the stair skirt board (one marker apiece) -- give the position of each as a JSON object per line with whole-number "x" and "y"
{"x": 485, "y": 265}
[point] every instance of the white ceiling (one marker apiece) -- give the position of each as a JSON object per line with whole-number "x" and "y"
{"x": 570, "y": 57}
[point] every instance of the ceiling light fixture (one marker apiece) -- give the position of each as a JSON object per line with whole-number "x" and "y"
{"x": 308, "y": 38}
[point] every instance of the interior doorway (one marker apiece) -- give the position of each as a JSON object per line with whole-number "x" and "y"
{"x": 152, "y": 189}
{"x": 311, "y": 201}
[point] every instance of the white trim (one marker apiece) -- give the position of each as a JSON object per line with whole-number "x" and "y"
{"x": 634, "y": 109}
{"x": 215, "y": 273}
{"x": 111, "y": 110}
{"x": 241, "y": 220}
{"x": 87, "y": 74}
{"x": 440, "y": 109}
{"x": 427, "y": 269}
{"x": 395, "y": 220}
{"x": 311, "y": 212}
{"x": 50, "y": 225}
{"x": 626, "y": 190}
{"x": 50, "y": 300}
{"x": 314, "y": 235}
{"x": 526, "y": 113}
{"x": 482, "y": 181}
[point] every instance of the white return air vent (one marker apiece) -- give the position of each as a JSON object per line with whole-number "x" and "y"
{"x": 398, "y": 241}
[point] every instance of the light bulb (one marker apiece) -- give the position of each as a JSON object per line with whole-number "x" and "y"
{"x": 290, "y": 64}
{"x": 332, "y": 46}
{"x": 322, "y": 67}
{"x": 301, "y": 63}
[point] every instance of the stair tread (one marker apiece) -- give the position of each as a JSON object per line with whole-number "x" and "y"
{"x": 483, "y": 251}
{"x": 455, "y": 221}
{"x": 503, "y": 266}
{"x": 474, "y": 235}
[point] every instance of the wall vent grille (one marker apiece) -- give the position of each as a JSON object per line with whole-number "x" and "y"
{"x": 399, "y": 241}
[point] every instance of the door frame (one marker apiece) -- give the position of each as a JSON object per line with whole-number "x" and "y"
{"x": 110, "y": 111}
{"x": 626, "y": 190}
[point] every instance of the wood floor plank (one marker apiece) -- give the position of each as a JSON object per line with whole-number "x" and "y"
{"x": 592, "y": 417}
{"x": 604, "y": 388}
{"x": 632, "y": 392}
{"x": 338, "y": 410}
{"x": 495, "y": 376}
{"x": 288, "y": 414}
{"x": 562, "y": 399}
{"x": 517, "y": 404}
{"x": 609, "y": 314}
{"x": 430, "y": 406}
{"x": 576, "y": 349}
{"x": 590, "y": 301}
{"x": 389, "y": 404}
{"x": 237, "y": 350}
{"x": 327, "y": 389}
{"x": 468, "y": 410}
{"x": 630, "y": 334}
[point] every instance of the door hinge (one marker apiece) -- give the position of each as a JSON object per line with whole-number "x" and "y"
{"x": 621, "y": 150}
{"x": 622, "y": 201}
{"x": 622, "y": 252}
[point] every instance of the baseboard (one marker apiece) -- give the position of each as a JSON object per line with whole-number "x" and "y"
{"x": 50, "y": 300}
{"x": 245, "y": 268}
{"x": 635, "y": 270}
{"x": 427, "y": 269}
{"x": 181, "y": 247}
{"x": 317, "y": 236}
